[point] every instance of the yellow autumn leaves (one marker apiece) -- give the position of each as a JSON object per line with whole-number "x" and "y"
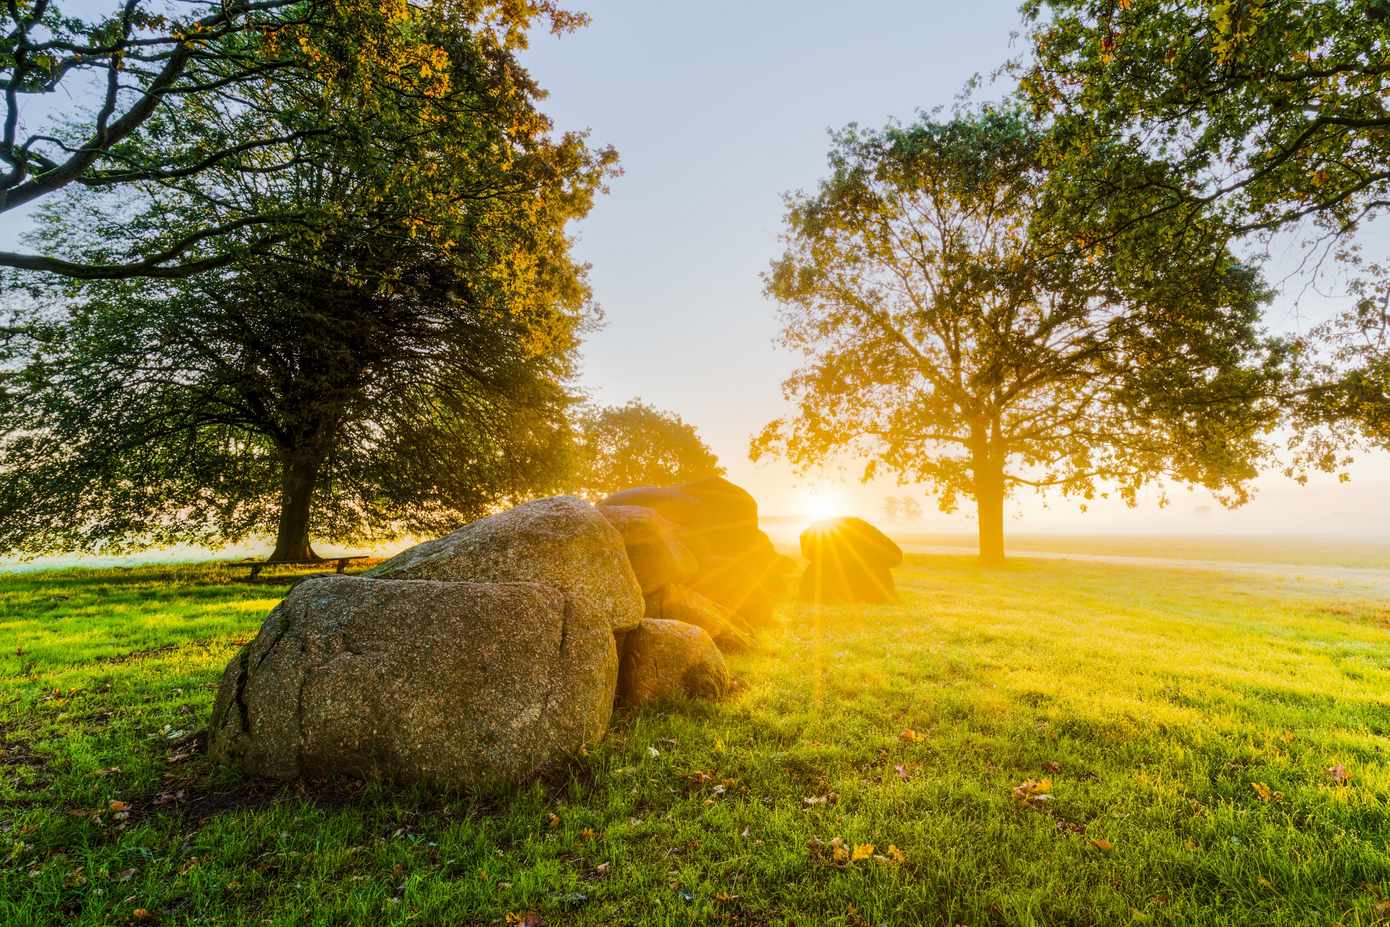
{"x": 842, "y": 854}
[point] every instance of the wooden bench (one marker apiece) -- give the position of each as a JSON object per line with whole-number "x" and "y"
{"x": 256, "y": 566}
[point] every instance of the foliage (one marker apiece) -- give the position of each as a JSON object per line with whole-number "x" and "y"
{"x": 153, "y": 66}
{"x": 1273, "y": 109}
{"x": 1270, "y": 112}
{"x": 960, "y": 333}
{"x": 400, "y": 360}
{"x": 1152, "y": 699}
{"x": 638, "y": 445}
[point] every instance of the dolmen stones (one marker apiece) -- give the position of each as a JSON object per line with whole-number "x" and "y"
{"x": 849, "y": 560}
{"x": 665, "y": 658}
{"x": 700, "y": 557}
{"x": 469, "y": 661}
{"x": 478, "y": 659}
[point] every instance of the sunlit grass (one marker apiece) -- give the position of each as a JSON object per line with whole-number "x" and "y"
{"x": 1155, "y": 700}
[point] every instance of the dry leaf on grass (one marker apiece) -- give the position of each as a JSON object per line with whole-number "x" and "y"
{"x": 1032, "y": 793}
{"x": 1339, "y": 774}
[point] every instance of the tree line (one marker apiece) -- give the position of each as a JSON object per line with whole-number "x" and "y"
{"x": 304, "y": 268}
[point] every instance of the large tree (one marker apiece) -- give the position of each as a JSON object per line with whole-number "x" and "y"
{"x": 637, "y": 444}
{"x": 1274, "y": 115}
{"x": 87, "y": 103}
{"x": 958, "y": 334}
{"x": 396, "y": 364}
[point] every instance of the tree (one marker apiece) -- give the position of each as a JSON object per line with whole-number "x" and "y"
{"x": 1274, "y": 111}
{"x": 147, "y": 67}
{"x": 639, "y": 445}
{"x": 901, "y": 508}
{"x": 398, "y": 364}
{"x": 958, "y": 334}
{"x": 1270, "y": 113}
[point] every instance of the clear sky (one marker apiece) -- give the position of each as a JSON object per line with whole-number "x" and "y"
{"x": 717, "y": 110}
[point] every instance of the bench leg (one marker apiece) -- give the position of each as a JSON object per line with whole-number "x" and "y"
{"x": 255, "y": 571}
{"x": 341, "y": 565}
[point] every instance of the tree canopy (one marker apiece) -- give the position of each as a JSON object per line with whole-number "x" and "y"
{"x": 638, "y": 445}
{"x": 398, "y": 364}
{"x": 958, "y": 331}
{"x": 167, "y": 103}
{"x": 1271, "y": 115}
{"x": 1272, "y": 111}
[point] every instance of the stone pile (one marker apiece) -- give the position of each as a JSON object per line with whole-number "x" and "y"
{"x": 700, "y": 556}
{"x": 478, "y": 659}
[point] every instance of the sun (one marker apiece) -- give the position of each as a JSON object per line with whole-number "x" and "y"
{"x": 818, "y": 503}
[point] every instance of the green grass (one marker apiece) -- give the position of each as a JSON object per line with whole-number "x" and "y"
{"x": 1154, "y": 699}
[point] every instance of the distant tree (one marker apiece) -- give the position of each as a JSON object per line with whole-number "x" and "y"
{"x": 398, "y": 364}
{"x": 958, "y": 334}
{"x": 1269, "y": 113}
{"x": 121, "y": 82}
{"x": 638, "y": 445}
{"x": 901, "y": 508}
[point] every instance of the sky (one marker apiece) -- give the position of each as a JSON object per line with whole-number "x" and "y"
{"x": 716, "y": 111}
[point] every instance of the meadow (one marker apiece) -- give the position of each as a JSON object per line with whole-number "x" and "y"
{"x": 1053, "y": 742}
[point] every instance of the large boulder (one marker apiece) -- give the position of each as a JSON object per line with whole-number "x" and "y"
{"x": 714, "y": 515}
{"x": 662, "y": 659}
{"x": 850, "y": 536}
{"x": 456, "y": 684}
{"x": 681, "y": 603}
{"x": 850, "y": 561}
{"x": 718, "y": 522}
{"x": 561, "y": 541}
{"x": 658, "y": 556}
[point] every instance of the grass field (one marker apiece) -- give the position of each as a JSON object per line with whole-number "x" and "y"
{"x": 1056, "y": 742}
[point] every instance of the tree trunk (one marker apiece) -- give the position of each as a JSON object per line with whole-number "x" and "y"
{"x": 989, "y": 501}
{"x": 297, "y": 490}
{"x": 988, "y": 467}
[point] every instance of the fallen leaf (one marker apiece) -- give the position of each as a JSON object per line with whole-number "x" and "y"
{"x": 118, "y": 806}
{"x": 902, "y": 772}
{"x": 1032, "y": 792}
{"x": 1339, "y": 774}
{"x": 587, "y": 834}
{"x": 1100, "y": 843}
{"x": 912, "y": 736}
{"x": 861, "y": 851}
{"x": 896, "y": 855}
{"x": 525, "y": 919}
{"x": 1266, "y": 793}
{"x": 140, "y": 914}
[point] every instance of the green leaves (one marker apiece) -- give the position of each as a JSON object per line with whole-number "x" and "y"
{"x": 970, "y": 320}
